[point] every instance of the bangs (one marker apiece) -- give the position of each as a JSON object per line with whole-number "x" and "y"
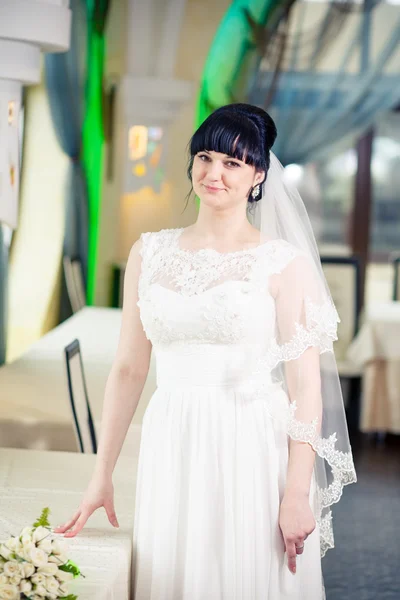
{"x": 231, "y": 134}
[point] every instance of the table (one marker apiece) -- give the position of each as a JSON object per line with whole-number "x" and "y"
{"x": 376, "y": 349}
{"x": 34, "y": 402}
{"x": 31, "y": 480}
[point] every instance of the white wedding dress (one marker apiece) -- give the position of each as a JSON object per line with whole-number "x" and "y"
{"x": 213, "y": 460}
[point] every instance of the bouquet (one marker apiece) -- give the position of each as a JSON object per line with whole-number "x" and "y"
{"x": 34, "y": 565}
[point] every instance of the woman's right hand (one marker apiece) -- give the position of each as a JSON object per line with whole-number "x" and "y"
{"x": 100, "y": 492}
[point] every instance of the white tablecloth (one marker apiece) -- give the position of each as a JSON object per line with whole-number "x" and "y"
{"x": 376, "y": 349}
{"x": 34, "y": 403}
{"x": 31, "y": 480}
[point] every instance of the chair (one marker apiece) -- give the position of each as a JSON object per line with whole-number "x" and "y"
{"x": 396, "y": 278}
{"x": 75, "y": 284}
{"x": 82, "y": 417}
{"x": 117, "y": 292}
{"x": 344, "y": 279}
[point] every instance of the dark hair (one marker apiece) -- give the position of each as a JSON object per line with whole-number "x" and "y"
{"x": 242, "y": 131}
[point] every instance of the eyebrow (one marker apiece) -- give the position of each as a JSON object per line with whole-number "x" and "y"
{"x": 226, "y": 155}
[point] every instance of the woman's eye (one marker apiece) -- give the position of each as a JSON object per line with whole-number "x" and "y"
{"x": 203, "y": 157}
{"x": 231, "y": 163}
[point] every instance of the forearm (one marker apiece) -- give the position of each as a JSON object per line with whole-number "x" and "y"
{"x": 301, "y": 453}
{"x": 122, "y": 395}
{"x": 300, "y": 468}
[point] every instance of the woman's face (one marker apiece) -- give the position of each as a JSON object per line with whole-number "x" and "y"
{"x": 219, "y": 179}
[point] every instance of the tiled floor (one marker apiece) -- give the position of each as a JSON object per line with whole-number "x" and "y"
{"x": 365, "y": 563}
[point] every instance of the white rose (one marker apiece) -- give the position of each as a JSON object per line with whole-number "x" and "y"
{"x": 38, "y": 579}
{"x": 5, "y": 552}
{"x": 48, "y": 570}
{"x": 52, "y": 585}
{"x": 59, "y": 546}
{"x": 26, "y": 540}
{"x": 3, "y": 579}
{"x": 11, "y": 568}
{"x": 46, "y": 545}
{"x": 12, "y": 543}
{"x": 62, "y": 558}
{"x": 58, "y": 559}
{"x": 38, "y": 557}
{"x": 40, "y": 533}
{"x": 9, "y": 592}
{"x": 64, "y": 575}
{"x": 26, "y": 531}
{"x": 15, "y": 580}
{"x": 41, "y": 591}
{"x": 21, "y": 570}
{"x": 63, "y": 589}
{"x": 55, "y": 559}
{"x": 19, "y": 552}
{"x": 28, "y": 568}
{"x": 25, "y": 587}
{"x": 27, "y": 546}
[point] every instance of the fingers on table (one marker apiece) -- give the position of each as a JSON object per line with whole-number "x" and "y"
{"x": 79, "y": 524}
{"x": 68, "y": 524}
{"x": 112, "y": 517}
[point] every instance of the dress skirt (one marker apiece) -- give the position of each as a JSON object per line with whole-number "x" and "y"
{"x": 211, "y": 477}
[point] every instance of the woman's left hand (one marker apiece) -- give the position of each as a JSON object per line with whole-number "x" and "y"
{"x": 296, "y": 521}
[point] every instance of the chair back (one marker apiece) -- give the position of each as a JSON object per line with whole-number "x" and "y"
{"x": 75, "y": 284}
{"x": 396, "y": 278}
{"x": 82, "y": 417}
{"x": 343, "y": 276}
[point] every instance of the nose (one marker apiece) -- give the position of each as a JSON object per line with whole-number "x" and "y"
{"x": 213, "y": 171}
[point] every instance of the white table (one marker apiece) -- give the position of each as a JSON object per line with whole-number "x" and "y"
{"x": 31, "y": 480}
{"x": 376, "y": 349}
{"x": 34, "y": 403}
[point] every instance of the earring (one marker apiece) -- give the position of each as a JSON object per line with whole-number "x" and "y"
{"x": 255, "y": 191}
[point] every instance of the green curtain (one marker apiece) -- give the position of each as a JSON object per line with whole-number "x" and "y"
{"x": 232, "y": 52}
{"x": 93, "y": 132}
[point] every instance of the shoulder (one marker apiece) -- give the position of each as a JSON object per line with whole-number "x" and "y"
{"x": 158, "y": 235}
{"x": 281, "y": 253}
{"x": 150, "y": 241}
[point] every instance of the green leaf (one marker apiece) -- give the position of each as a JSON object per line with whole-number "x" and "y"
{"x": 71, "y": 567}
{"x": 43, "y": 520}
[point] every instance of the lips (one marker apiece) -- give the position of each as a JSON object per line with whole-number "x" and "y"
{"x": 210, "y": 188}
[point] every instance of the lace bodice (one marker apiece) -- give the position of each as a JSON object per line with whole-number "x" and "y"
{"x": 205, "y": 296}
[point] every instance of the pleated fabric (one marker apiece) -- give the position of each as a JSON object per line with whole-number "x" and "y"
{"x": 211, "y": 477}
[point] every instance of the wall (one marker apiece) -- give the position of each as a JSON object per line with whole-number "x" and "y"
{"x": 37, "y": 244}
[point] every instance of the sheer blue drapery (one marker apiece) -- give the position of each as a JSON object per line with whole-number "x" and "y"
{"x": 65, "y": 82}
{"x": 316, "y": 108}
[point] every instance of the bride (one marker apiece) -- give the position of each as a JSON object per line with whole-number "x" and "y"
{"x": 244, "y": 444}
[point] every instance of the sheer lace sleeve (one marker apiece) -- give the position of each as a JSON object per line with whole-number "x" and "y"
{"x": 302, "y": 360}
{"x": 305, "y": 327}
